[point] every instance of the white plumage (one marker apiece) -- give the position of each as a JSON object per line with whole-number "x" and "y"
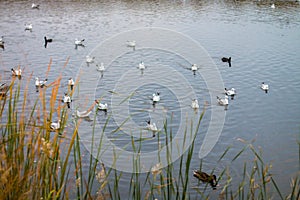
{"x": 152, "y": 127}
{"x": 79, "y": 42}
{"x": 28, "y": 27}
{"x": 101, "y": 106}
{"x": 131, "y": 43}
{"x": 71, "y": 82}
{"x": 39, "y": 83}
{"x": 142, "y": 65}
{"x": 55, "y": 125}
{"x": 194, "y": 67}
{"x": 230, "y": 92}
{"x": 16, "y": 72}
{"x": 273, "y": 6}
{"x": 195, "y": 104}
{"x": 35, "y": 6}
{"x": 264, "y": 87}
{"x": 83, "y": 113}
{"x": 89, "y": 59}
{"x": 155, "y": 97}
{"x": 224, "y": 101}
{"x": 100, "y": 68}
{"x": 1, "y": 41}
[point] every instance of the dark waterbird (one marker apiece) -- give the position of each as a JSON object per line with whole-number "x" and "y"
{"x": 47, "y": 40}
{"x": 205, "y": 178}
{"x": 224, "y": 59}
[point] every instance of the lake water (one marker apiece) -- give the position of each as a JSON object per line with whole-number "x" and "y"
{"x": 264, "y": 44}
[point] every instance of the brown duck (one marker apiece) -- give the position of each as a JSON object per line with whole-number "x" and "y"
{"x": 205, "y": 178}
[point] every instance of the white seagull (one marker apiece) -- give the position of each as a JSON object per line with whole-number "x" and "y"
{"x": 230, "y": 92}
{"x": 55, "y": 125}
{"x": 89, "y": 59}
{"x": 152, "y": 127}
{"x": 28, "y": 27}
{"x": 223, "y": 102}
{"x": 79, "y": 42}
{"x": 195, "y": 104}
{"x": 71, "y": 83}
{"x": 155, "y": 97}
{"x": 141, "y": 65}
{"x": 35, "y": 6}
{"x": 131, "y": 43}
{"x": 100, "y": 68}
{"x": 264, "y": 87}
{"x": 194, "y": 67}
{"x": 273, "y": 6}
{"x": 101, "y": 106}
{"x": 16, "y": 72}
{"x": 1, "y": 42}
{"x": 67, "y": 100}
{"x": 39, "y": 83}
{"x": 83, "y": 113}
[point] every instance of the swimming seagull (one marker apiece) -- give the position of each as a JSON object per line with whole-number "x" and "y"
{"x": 152, "y": 127}
{"x": 264, "y": 87}
{"x": 194, "y": 68}
{"x": 28, "y": 27}
{"x": 16, "y": 72}
{"x": 67, "y": 100}
{"x": 55, "y": 125}
{"x": 35, "y": 6}
{"x": 71, "y": 83}
{"x": 79, "y": 42}
{"x": 47, "y": 40}
{"x": 224, "y": 59}
{"x": 155, "y": 97}
{"x": 231, "y": 92}
{"x": 273, "y": 6}
{"x": 83, "y": 113}
{"x": 89, "y": 59}
{"x": 195, "y": 104}
{"x": 131, "y": 44}
{"x": 39, "y": 83}
{"x": 100, "y": 68}
{"x": 223, "y": 102}
{"x": 141, "y": 65}
{"x": 101, "y": 106}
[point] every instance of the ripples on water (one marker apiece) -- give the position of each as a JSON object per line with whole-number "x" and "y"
{"x": 263, "y": 43}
